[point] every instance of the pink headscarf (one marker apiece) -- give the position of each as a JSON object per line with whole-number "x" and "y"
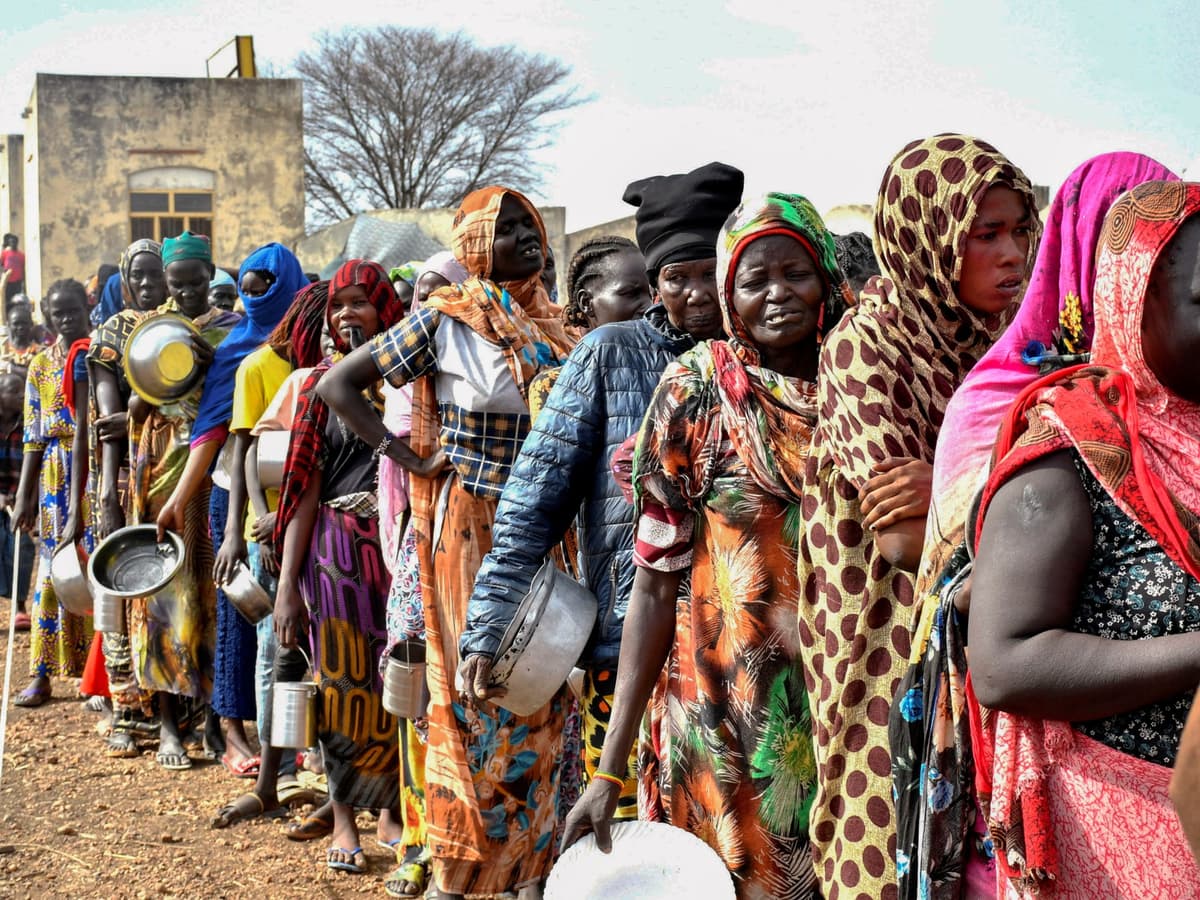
{"x": 1065, "y": 265}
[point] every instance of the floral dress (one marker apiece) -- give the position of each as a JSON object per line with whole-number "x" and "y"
{"x": 726, "y": 750}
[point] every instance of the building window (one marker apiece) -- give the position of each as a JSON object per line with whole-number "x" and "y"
{"x": 159, "y": 214}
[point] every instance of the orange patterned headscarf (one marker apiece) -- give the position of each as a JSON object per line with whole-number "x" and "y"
{"x": 530, "y": 329}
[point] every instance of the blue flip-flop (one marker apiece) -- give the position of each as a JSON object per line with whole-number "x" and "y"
{"x": 340, "y": 866}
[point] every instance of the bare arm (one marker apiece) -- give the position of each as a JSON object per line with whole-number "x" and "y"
{"x": 290, "y": 614}
{"x": 901, "y": 544}
{"x": 113, "y": 452}
{"x": 342, "y": 387}
{"x": 646, "y": 641}
{"x": 254, "y": 489}
{"x": 25, "y": 513}
{"x": 195, "y": 471}
{"x": 1033, "y": 555}
{"x": 233, "y": 545}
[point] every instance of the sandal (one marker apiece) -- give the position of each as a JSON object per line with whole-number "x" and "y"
{"x": 353, "y": 866}
{"x": 247, "y": 768}
{"x": 293, "y": 793}
{"x": 120, "y": 745}
{"x": 31, "y": 697}
{"x": 411, "y": 873}
{"x": 173, "y": 762}
{"x": 310, "y": 828}
{"x": 232, "y": 813}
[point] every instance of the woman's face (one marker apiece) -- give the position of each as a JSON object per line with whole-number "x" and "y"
{"x": 354, "y": 317}
{"x": 20, "y": 326}
{"x": 777, "y": 292}
{"x": 426, "y": 285}
{"x": 1171, "y": 317}
{"x": 146, "y": 281}
{"x": 517, "y": 245}
{"x": 68, "y": 314}
{"x": 187, "y": 280}
{"x": 997, "y": 253}
{"x": 689, "y": 292}
{"x": 620, "y": 293}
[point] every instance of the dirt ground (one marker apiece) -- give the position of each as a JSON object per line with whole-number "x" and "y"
{"x": 74, "y": 823}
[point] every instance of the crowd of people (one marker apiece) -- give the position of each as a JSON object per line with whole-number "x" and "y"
{"x": 894, "y": 541}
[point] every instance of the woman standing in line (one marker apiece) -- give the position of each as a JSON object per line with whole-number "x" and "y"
{"x": 956, "y": 227}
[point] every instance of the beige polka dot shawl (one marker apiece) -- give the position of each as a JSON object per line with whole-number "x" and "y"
{"x": 890, "y": 366}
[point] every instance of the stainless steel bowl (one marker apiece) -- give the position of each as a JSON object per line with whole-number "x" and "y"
{"x": 272, "y": 454}
{"x": 67, "y": 574}
{"x": 160, "y": 362}
{"x": 131, "y": 562}
{"x": 248, "y": 596}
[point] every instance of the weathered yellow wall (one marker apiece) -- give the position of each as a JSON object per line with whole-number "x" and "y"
{"x": 89, "y": 134}
{"x": 616, "y": 228}
{"x": 12, "y": 185}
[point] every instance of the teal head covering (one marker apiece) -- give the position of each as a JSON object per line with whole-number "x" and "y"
{"x": 186, "y": 246}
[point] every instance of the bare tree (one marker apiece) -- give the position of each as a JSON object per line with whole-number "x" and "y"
{"x": 405, "y": 117}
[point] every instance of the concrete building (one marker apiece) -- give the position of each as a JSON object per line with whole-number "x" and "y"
{"x": 111, "y": 159}
{"x": 12, "y": 183}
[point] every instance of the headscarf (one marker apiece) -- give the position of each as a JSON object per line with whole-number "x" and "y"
{"x": 374, "y": 281}
{"x": 408, "y": 271}
{"x": 768, "y": 418}
{"x": 222, "y": 277}
{"x": 262, "y": 315}
{"x": 531, "y": 329}
{"x": 312, "y": 413}
{"x": 1141, "y": 442}
{"x": 895, "y": 359}
{"x": 446, "y": 265}
{"x": 1056, "y": 314}
{"x": 186, "y": 246}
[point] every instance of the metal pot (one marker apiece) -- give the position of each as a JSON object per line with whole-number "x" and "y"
{"x": 108, "y": 613}
{"x": 294, "y": 714}
{"x": 544, "y": 641}
{"x": 67, "y": 567}
{"x": 132, "y": 564}
{"x": 160, "y": 361}
{"x": 272, "y": 454}
{"x": 405, "y": 693}
{"x": 248, "y": 596}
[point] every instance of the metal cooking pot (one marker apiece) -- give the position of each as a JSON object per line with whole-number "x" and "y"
{"x": 272, "y": 453}
{"x": 160, "y": 361}
{"x": 67, "y": 567}
{"x": 248, "y": 596}
{"x": 131, "y": 564}
{"x": 544, "y": 641}
{"x": 108, "y": 614}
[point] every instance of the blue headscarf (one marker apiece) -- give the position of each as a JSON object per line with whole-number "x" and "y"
{"x": 111, "y": 299}
{"x": 262, "y": 315}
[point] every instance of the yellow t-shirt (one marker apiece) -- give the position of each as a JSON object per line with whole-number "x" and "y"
{"x": 258, "y": 377}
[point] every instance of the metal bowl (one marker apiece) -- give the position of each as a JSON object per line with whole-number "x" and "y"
{"x": 160, "y": 362}
{"x": 67, "y": 568}
{"x": 248, "y": 596}
{"x": 272, "y": 454}
{"x": 131, "y": 562}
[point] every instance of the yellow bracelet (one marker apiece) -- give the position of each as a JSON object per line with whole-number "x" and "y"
{"x": 608, "y": 776}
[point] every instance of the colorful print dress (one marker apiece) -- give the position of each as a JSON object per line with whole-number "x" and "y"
{"x": 726, "y": 751}
{"x": 59, "y": 641}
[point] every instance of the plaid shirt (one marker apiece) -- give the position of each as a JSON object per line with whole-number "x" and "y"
{"x": 12, "y": 451}
{"x": 482, "y": 446}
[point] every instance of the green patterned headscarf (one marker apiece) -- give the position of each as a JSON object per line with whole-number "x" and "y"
{"x": 777, "y": 213}
{"x": 186, "y": 246}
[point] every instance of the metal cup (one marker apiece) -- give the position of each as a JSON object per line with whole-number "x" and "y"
{"x": 405, "y": 693}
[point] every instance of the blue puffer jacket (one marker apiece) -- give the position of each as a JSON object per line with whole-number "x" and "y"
{"x": 599, "y": 400}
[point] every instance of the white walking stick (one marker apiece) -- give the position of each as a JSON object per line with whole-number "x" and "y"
{"x": 12, "y": 630}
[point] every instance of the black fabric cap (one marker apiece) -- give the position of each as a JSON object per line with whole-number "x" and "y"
{"x": 680, "y": 216}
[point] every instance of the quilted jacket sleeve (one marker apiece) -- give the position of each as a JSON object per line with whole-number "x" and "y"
{"x": 542, "y": 497}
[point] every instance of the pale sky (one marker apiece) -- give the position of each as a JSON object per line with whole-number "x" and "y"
{"x": 812, "y": 98}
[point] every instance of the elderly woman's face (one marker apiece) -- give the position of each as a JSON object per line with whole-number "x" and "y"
{"x": 777, "y": 292}
{"x": 1171, "y": 317}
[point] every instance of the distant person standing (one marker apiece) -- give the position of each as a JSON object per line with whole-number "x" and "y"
{"x": 12, "y": 261}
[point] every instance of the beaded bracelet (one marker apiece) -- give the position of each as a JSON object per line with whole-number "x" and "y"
{"x": 609, "y": 777}
{"x": 382, "y": 449}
